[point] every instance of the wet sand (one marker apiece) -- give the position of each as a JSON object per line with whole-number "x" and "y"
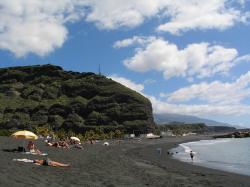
{"x": 131, "y": 163}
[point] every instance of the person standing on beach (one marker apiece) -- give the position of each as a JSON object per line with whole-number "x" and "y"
{"x": 159, "y": 151}
{"x": 192, "y": 155}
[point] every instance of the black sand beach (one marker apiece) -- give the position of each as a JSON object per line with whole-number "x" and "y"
{"x": 131, "y": 163}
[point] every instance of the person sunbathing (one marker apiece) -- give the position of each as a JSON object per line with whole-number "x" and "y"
{"x": 45, "y": 162}
{"x": 48, "y": 162}
{"x": 62, "y": 144}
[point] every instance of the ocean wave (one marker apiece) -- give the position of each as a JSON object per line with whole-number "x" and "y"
{"x": 224, "y": 154}
{"x": 186, "y": 148}
{"x": 208, "y": 142}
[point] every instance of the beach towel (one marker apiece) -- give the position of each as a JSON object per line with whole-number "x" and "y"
{"x": 23, "y": 160}
{"x": 33, "y": 153}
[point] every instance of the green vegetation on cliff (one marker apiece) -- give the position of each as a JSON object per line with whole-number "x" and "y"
{"x": 178, "y": 128}
{"x": 48, "y": 96}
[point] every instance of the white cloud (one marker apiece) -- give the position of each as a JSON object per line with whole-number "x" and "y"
{"x": 161, "y": 107}
{"x": 232, "y": 107}
{"x": 200, "y": 14}
{"x": 135, "y": 40}
{"x": 181, "y": 15}
{"x": 220, "y": 99}
{"x": 34, "y": 26}
{"x": 39, "y": 27}
{"x": 214, "y": 92}
{"x": 38, "y": 37}
{"x": 196, "y": 60}
{"x": 113, "y": 14}
{"x": 128, "y": 83}
{"x": 245, "y": 58}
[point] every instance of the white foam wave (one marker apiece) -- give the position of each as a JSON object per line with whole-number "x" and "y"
{"x": 208, "y": 142}
{"x": 186, "y": 148}
{"x": 226, "y": 159}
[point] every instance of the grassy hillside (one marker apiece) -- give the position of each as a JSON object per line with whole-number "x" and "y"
{"x": 37, "y": 96}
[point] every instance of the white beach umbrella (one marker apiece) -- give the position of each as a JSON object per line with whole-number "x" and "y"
{"x": 106, "y": 143}
{"x": 75, "y": 139}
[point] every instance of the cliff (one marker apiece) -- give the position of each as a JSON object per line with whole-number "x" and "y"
{"x": 46, "y": 95}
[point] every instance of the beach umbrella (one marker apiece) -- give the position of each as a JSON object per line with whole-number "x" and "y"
{"x": 75, "y": 139}
{"x": 25, "y": 135}
{"x": 106, "y": 144}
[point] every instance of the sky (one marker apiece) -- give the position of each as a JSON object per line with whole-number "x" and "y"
{"x": 188, "y": 57}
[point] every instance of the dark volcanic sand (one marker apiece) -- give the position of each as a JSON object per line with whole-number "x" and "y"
{"x": 128, "y": 164}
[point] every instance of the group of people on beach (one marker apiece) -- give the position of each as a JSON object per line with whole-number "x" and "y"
{"x": 191, "y": 153}
{"x": 57, "y": 144}
{"x": 32, "y": 149}
{"x": 66, "y": 144}
{"x": 45, "y": 162}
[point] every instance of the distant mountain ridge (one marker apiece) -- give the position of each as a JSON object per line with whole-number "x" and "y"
{"x": 168, "y": 118}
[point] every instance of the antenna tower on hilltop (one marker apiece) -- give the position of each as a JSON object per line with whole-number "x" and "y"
{"x": 99, "y": 70}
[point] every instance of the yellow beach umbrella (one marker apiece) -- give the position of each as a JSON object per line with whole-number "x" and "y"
{"x": 25, "y": 135}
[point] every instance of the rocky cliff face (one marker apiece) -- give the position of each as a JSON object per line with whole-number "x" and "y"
{"x": 47, "y": 95}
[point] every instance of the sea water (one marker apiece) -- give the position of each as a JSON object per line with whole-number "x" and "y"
{"x": 232, "y": 155}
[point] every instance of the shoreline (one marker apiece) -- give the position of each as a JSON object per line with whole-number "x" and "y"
{"x": 191, "y": 175}
{"x": 204, "y": 164}
{"x": 131, "y": 163}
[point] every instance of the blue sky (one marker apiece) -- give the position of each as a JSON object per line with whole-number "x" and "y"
{"x": 188, "y": 57}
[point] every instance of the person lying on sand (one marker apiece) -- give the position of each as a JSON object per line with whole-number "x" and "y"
{"x": 48, "y": 162}
{"x": 52, "y": 144}
{"x": 62, "y": 144}
{"x": 45, "y": 162}
{"x": 75, "y": 144}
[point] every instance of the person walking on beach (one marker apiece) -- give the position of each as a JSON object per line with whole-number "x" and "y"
{"x": 159, "y": 150}
{"x": 192, "y": 155}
